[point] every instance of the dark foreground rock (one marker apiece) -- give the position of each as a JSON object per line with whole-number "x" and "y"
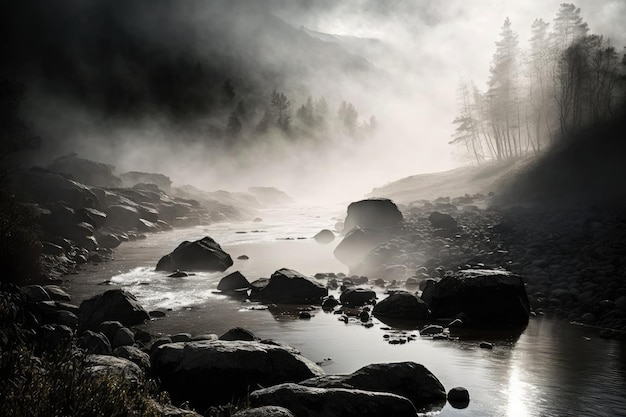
{"x": 113, "y": 305}
{"x": 333, "y": 402}
{"x": 204, "y": 254}
{"x": 407, "y": 379}
{"x": 266, "y": 411}
{"x": 287, "y": 286}
{"x": 233, "y": 282}
{"x": 482, "y": 297}
{"x": 217, "y": 372}
{"x": 402, "y": 305}
{"x": 375, "y": 213}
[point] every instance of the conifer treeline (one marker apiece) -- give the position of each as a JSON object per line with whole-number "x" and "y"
{"x": 567, "y": 79}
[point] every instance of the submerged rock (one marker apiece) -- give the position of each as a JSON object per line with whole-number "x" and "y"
{"x": 209, "y": 373}
{"x": 204, "y": 254}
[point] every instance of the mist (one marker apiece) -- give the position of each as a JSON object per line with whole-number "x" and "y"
{"x": 398, "y": 61}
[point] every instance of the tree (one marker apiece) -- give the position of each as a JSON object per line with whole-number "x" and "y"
{"x": 280, "y": 109}
{"x": 306, "y": 113}
{"x": 321, "y": 111}
{"x": 467, "y": 126}
{"x": 568, "y": 27}
{"x": 538, "y": 67}
{"x": 348, "y": 117}
{"x": 233, "y": 127}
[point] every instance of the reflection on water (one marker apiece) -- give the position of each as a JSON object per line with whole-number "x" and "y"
{"x": 550, "y": 368}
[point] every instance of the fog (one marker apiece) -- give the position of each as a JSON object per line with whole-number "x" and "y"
{"x": 407, "y": 56}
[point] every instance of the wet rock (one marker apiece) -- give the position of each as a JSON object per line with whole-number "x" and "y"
{"x": 233, "y": 282}
{"x": 112, "y": 305}
{"x": 484, "y": 296}
{"x": 357, "y": 296}
{"x": 178, "y": 274}
{"x": 304, "y": 315}
{"x": 324, "y": 236}
{"x": 431, "y": 330}
{"x": 238, "y": 333}
{"x": 157, "y": 314}
{"x": 485, "y": 345}
{"x": 458, "y": 397}
{"x": 408, "y": 379}
{"x": 372, "y": 213}
{"x": 402, "y": 305}
{"x": 287, "y": 286}
{"x": 209, "y": 373}
{"x": 330, "y": 302}
{"x": 204, "y": 254}
{"x": 107, "y": 240}
{"x": 333, "y": 402}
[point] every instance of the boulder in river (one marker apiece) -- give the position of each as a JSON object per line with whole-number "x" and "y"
{"x": 112, "y": 305}
{"x": 374, "y": 213}
{"x": 484, "y": 296}
{"x": 204, "y": 254}
{"x": 287, "y": 286}
{"x": 233, "y": 282}
{"x": 402, "y": 305}
{"x": 408, "y": 379}
{"x": 217, "y": 372}
{"x": 333, "y": 402}
{"x": 357, "y": 296}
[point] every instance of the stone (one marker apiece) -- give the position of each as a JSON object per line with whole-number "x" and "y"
{"x": 123, "y": 337}
{"x": 458, "y": 397}
{"x": 218, "y": 372}
{"x": 407, "y": 379}
{"x": 243, "y": 257}
{"x": 93, "y": 342}
{"x": 333, "y": 402}
{"x": 485, "y": 297}
{"x": 357, "y": 296}
{"x": 35, "y": 293}
{"x": 56, "y": 293}
{"x": 123, "y": 216}
{"x": 181, "y": 337}
{"x": 431, "y": 330}
{"x": 402, "y": 305}
{"x": 204, "y": 254}
{"x": 238, "y": 333}
{"x": 112, "y": 305}
{"x": 485, "y": 345}
{"x": 375, "y": 213}
{"x": 356, "y": 244}
{"x": 135, "y": 355}
{"x": 233, "y": 282}
{"x": 107, "y": 240}
{"x": 329, "y": 302}
{"x": 105, "y": 365}
{"x": 178, "y": 274}
{"x": 324, "y": 236}
{"x": 92, "y": 216}
{"x": 287, "y": 286}
{"x": 266, "y": 411}
{"x": 442, "y": 221}
{"x": 55, "y": 337}
{"x": 86, "y": 171}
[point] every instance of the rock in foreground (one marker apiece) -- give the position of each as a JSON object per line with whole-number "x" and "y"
{"x": 333, "y": 402}
{"x": 113, "y": 305}
{"x": 209, "y": 373}
{"x": 204, "y": 255}
{"x": 287, "y": 286}
{"x": 484, "y": 297}
{"x": 407, "y": 379}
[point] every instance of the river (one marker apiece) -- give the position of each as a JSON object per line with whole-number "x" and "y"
{"x": 552, "y": 368}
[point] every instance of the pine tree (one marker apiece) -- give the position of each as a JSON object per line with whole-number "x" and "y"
{"x": 348, "y": 116}
{"x": 280, "y": 108}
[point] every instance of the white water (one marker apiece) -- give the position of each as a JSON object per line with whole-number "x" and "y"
{"x": 551, "y": 369}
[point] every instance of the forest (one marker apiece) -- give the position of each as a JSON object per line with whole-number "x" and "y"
{"x": 565, "y": 81}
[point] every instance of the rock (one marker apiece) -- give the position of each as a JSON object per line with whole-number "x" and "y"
{"x": 51, "y": 249}
{"x": 442, "y": 221}
{"x": 204, "y": 254}
{"x": 123, "y": 337}
{"x": 458, "y": 397}
{"x": 238, "y": 333}
{"x": 104, "y": 365}
{"x": 431, "y": 330}
{"x": 133, "y": 178}
{"x": 333, "y": 402}
{"x": 376, "y": 213}
{"x": 94, "y": 217}
{"x": 355, "y": 246}
{"x": 329, "y": 302}
{"x": 407, "y": 379}
{"x": 178, "y": 274}
{"x": 135, "y": 355}
{"x": 266, "y": 411}
{"x": 156, "y": 314}
{"x": 411, "y": 282}
{"x": 181, "y": 337}
{"x": 55, "y": 337}
{"x": 113, "y": 305}
{"x": 122, "y": 216}
{"x": 159, "y": 342}
{"x": 171, "y": 411}
{"x": 93, "y": 342}
{"x": 35, "y": 293}
{"x": 209, "y": 373}
{"x": 287, "y": 286}
{"x": 485, "y": 345}
{"x": 243, "y": 257}
{"x": 324, "y": 236}
{"x": 233, "y": 282}
{"x": 397, "y": 272}
{"x": 357, "y": 296}
{"x": 144, "y": 225}
{"x": 402, "y": 305}
{"x": 56, "y": 293}
{"x": 65, "y": 318}
{"x": 107, "y": 240}
{"x": 620, "y": 303}
{"x": 493, "y": 297}
{"x": 86, "y": 171}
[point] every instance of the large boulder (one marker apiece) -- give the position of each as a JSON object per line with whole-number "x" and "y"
{"x": 484, "y": 297}
{"x": 204, "y": 254}
{"x": 233, "y": 282}
{"x": 357, "y": 243}
{"x": 112, "y": 305}
{"x": 106, "y": 365}
{"x": 333, "y": 402}
{"x": 123, "y": 216}
{"x": 407, "y": 379}
{"x": 374, "y": 213}
{"x": 86, "y": 171}
{"x": 266, "y": 411}
{"x": 442, "y": 221}
{"x": 287, "y": 286}
{"x": 217, "y": 372}
{"x": 357, "y": 296}
{"x": 402, "y": 305}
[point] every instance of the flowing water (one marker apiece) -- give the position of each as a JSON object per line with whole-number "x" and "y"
{"x": 551, "y": 368}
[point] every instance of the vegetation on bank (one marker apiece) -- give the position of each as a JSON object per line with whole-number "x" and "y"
{"x": 566, "y": 80}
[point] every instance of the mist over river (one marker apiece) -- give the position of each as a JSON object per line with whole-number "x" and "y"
{"x": 551, "y": 369}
